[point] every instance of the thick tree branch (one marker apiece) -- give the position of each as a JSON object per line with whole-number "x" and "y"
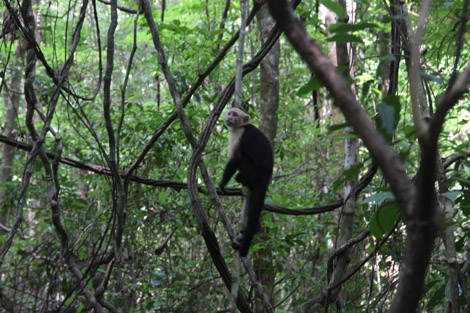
{"x": 318, "y": 62}
{"x": 418, "y": 203}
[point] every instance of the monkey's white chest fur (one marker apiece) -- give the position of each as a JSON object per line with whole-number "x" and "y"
{"x": 234, "y": 140}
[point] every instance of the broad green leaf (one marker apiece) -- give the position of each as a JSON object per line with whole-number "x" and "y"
{"x": 162, "y": 196}
{"x": 80, "y": 203}
{"x": 388, "y": 19}
{"x": 353, "y": 171}
{"x": 384, "y": 219}
{"x": 378, "y": 198}
{"x": 69, "y": 301}
{"x": 344, "y": 27}
{"x": 312, "y": 85}
{"x": 345, "y": 38}
{"x": 432, "y": 78}
{"x": 453, "y": 195}
{"x": 336, "y": 127}
{"x": 388, "y": 116}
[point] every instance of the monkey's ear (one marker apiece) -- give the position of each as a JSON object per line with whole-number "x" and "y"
{"x": 246, "y": 118}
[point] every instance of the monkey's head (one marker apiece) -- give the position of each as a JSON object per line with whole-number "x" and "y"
{"x": 236, "y": 118}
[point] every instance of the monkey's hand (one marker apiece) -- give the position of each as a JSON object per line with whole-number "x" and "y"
{"x": 222, "y": 188}
{"x": 237, "y": 243}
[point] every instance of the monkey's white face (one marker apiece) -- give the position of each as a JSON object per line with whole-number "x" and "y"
{"x": 236, "y": 118}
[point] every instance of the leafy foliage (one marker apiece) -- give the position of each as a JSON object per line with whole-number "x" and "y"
{"x": 309, "y": 157}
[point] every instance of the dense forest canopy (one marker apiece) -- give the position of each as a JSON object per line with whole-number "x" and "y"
{"x": 114, "y": 143}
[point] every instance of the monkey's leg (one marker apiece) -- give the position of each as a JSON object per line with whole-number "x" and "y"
{"x": 246, "y": 192}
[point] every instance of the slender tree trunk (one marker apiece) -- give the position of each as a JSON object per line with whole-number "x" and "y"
{"x": 12, "y": 98}
{"x": 269, "y": 106}
{"x": 339, "y": 55}
{"x": 269, "y": 78}
{"x": 346, "y": 230}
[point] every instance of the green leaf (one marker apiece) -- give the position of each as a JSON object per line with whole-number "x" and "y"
{"x": 389, "y": 57}
{"x": 69, "y": 301}
{"x": 345, "y": 27}
{"x": 80, "y": 203}
{"x": 388, "y": 116}
{"x": 379, "y": 198}
{"x": 293, "y": 239}
{"x": 163, "y": 196}
{"x": 281, "y": 199}
{"x": 312, "y": 85}
{"x": 436, "y": 298}
{"x": 83, "y": 253}
{"x": 344, "y": 137}
{"x": 353, "y": 171}
{"x": 383, "y": 221}
{"x": 432, "y": 78}
{"x": 46, "y": 28}
{"x": 345, "y": 38}
{"x": 452, "y": 195}
{"x": 336, "y": 127}
{"x": 464, "y": 205}
{"x": 387, "y": 19}
{"x": 334, "y": 6}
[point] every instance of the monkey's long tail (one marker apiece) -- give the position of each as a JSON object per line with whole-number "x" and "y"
{"x": 255, "y": 206}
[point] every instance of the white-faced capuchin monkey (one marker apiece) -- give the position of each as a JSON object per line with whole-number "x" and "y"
{"x": 251, "y": 154}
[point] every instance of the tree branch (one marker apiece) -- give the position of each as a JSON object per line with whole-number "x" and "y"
{"x": 320, "y": 65}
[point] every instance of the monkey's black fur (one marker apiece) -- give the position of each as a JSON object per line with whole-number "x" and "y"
{"x": 253, "y": 158}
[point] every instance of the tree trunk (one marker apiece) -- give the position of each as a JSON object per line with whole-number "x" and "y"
{"x": 346, "y": 230}
{"x": 12, "y": 101}
{"x": 269, "y": 78}
{"x": 269, "y": 106}
{"x": 339, "y": 55}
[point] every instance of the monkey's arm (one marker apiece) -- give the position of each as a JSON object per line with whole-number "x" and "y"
{"x": 230, "y": 169}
